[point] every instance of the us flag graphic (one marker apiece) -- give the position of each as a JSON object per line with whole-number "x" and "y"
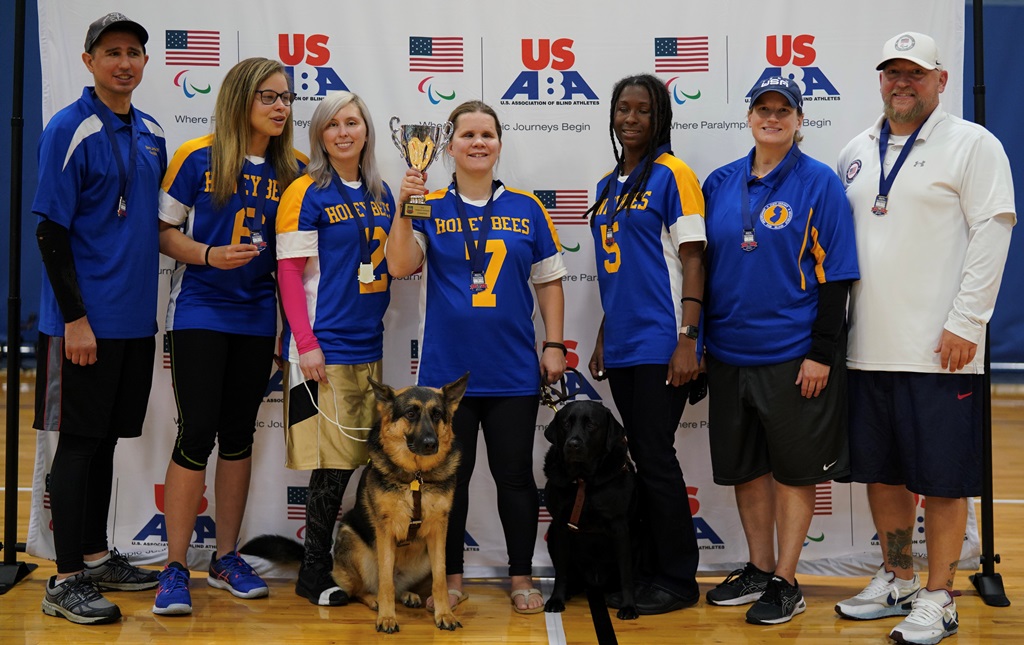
{"x": 193, "y": 48}
{"x": 566, "y": 207}
{"x": 685, "y": 54}
{"x": 167, "y": 352}
{"x": 297, "y": 496}
{"x": 435, "y": 54}
{"x": 544, "y": 515}
{"x": 823, "y": 498}
{"x": 46, "y": 493}
{"x": 414, "y": 356}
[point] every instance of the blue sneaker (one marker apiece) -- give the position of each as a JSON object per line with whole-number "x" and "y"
{"x": 172, "y": 596}
{"x": 234, "y": 574}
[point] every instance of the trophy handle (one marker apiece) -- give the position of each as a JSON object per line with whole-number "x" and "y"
{"x": 446, "y": 133}
{"x": 395, "y": 135}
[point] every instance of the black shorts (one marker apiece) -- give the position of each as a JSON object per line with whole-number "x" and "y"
{"x": 919, "y": 430}
{"x": 107, "y": 398}
{"x": 760, "y": 424}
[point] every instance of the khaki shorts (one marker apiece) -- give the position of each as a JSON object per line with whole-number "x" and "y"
{"x": 313, "y": 438}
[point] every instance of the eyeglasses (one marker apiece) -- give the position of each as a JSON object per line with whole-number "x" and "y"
{"x": 269, "y": 97}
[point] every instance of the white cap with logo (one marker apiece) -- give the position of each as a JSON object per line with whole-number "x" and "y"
{"x": 912, "y": 46}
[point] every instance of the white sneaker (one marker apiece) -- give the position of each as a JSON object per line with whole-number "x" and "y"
{"x": 885, "y": 595}
{"x": 933, "y": 618}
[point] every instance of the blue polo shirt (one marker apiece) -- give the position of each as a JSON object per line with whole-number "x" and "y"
{"x": 760, "y": 305}
{"x": 116, "y": 258}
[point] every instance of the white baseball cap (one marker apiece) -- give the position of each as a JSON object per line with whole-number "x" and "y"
{"x": 912, "y": 46}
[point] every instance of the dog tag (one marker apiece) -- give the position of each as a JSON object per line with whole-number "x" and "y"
{"x": 414, "y": 485}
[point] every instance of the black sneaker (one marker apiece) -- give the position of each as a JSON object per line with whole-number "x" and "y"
{"x": 78, "y": 600}
{"x": 316, "y": 584}
{"x": 741, "y": 587}
{"x": 117, "y": 574}
{"x": 778, "y": 604}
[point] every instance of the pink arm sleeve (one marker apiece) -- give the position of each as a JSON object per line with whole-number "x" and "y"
{"x": 293, "y": 300}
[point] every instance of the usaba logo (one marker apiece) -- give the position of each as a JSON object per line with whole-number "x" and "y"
{"x": 305, "y": 58}
{"x": 435, "y": 55}
{"x": 681, "y": 55}
{"x": 798, "y": 51}
{"x": 707, "y": 538}
{"x": 205, "y": 531}
{"x": 549, "y": 77}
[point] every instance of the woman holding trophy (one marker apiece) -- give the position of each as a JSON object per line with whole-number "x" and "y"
{"x": 482, "y": 247}
{"x": 333, "y": 223}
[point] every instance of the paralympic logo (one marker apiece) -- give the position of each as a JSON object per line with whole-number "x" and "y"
{"x": 678, "y": 95}
{"x": 435, "y": 97}
{"x": 180, "y": 81}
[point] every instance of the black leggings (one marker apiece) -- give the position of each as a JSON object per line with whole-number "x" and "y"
{"x": 80, "y": 483}
{"x": 326, "y": 489}
{"x": 509, "y": 425}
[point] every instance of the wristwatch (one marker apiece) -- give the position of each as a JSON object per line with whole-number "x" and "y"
{"x": 690, "y": 331}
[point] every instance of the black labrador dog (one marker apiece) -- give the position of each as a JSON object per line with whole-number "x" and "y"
{"x": 591, "y": 494}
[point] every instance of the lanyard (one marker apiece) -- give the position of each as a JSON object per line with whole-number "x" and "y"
{"x": 364, "y": 240}
{"x": 613, "y": 187}
{"x": 885, "y": 183}
{"x": 256, "y": 220}
{"x": 477, "y": 249}
{"x": 124, "y": 177}
{"x": 750, "y": 215}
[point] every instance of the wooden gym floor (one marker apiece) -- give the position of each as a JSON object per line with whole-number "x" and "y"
{"x": 487, "y": 617}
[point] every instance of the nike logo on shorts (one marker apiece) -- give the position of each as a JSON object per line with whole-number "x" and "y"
{"x": 961, "y": 397}
{"x": 827, "y": 466}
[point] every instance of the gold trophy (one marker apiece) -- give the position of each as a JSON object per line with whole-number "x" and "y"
{"x": 419, "y": 145}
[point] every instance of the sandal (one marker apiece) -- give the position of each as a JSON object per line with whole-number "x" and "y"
{"x": 525, "y": 594}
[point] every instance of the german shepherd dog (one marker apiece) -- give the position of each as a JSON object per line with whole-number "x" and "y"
{"x": 391, "y": 544}
{"x": 591, "y": 494}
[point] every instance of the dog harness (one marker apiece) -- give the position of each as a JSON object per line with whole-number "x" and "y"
{"x": 417, "y": 509}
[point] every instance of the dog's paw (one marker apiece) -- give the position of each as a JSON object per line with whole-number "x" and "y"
{"x": 554, "y": 605}
{"x": 412, "y": 600}
{"x": 387, "y": 624}
{"x": 447, "y": 621}
{"x": 628, "y": 613}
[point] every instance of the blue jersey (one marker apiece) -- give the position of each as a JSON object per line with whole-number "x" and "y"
{"x": 241, "y": 300}
{"x": 117, "y": 259}
{"x": 347, "y": 316}
{"x": 759, "y": 306}
{"x": 639, "y": 271}
{"x": 490, "y": 333}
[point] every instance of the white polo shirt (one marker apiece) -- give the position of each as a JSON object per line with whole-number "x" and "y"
{"x": 936, "y": 258}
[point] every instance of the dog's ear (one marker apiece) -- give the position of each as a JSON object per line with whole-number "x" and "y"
{"x": 551, "y": 432}
{"x": 383, "y": 393}
{"x": 453, "y": 391}
{"x": 615, "y": 433}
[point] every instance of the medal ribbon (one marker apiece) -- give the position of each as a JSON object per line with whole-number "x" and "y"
{"x": 885, "y": 183}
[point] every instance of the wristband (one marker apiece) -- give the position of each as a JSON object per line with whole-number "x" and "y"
{"x": 565, "y": 352}
{"x": 697, "y": 300}
{"x": 206, "y": 258}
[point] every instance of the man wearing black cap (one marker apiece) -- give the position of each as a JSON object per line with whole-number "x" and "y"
{"x": 933, "y": 207}
{"x": 100, "y": 165}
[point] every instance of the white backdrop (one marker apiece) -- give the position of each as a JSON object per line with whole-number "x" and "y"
{"x": 548, "y": 69}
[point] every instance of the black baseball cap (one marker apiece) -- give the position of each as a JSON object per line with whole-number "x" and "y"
{"x": 100, "y": 26}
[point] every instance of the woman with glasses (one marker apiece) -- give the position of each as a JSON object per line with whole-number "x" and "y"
{"x": 335, "y": 288}
{"x": 218, "y": 204}
{"x": 780, "y": 260}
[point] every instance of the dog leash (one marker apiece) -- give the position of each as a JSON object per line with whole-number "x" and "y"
{"x": 552, "y": 397}
{"x": 416, "y": 520}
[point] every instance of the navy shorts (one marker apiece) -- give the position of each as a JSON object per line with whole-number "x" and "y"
{"x": 919, "y": 430}
{"x": 760, "y": 424}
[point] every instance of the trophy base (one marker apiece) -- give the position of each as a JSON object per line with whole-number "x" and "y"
{"x": 416, "y": 211}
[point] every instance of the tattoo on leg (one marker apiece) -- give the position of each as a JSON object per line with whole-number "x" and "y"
{"x": 899, "y": 542}
{"x": 952, "y": 574}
